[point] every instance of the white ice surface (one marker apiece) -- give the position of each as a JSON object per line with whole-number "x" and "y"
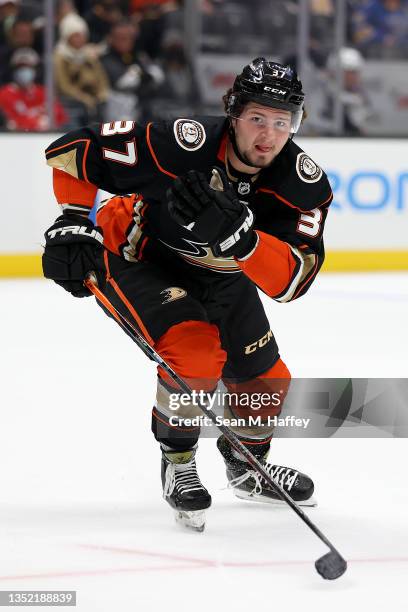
{"x": 80, "y": 492}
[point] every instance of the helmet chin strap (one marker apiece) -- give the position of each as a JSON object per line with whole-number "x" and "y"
{"x": 231, "y": 134}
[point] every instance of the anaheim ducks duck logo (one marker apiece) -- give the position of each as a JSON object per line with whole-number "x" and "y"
{"x": 200, "y": 254}
{"x": 172, "y": 293}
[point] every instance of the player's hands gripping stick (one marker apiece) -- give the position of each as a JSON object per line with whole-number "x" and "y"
{"x": 213, "y": 212}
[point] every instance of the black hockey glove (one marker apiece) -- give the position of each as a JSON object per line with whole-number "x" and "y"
{"x": 213, "y": 213}
{"x": 73, "y": 247}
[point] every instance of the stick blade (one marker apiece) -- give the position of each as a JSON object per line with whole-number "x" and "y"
{"x": 331, "y": 566}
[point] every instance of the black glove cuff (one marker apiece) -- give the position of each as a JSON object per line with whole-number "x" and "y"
{"x": 246, "y": 249}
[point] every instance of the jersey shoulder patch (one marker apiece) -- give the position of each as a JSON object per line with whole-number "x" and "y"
{"x": 189, "y": 134}
{"x": 301, "y": 181}
{"x": 186, "y": 143}
{"x": 307, "y": 170}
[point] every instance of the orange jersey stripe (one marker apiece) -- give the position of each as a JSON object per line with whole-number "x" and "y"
{"x": 156, "y": 161}
{"x": 115, "y": 218}
{"x": 222, "y": 149}
{"x": 265, "y": 190}
{"x": 124, "y": 299}
{"x": 70, "y": 190}
{"x": 145, "y": 240}
{"x": 132, "y": 311}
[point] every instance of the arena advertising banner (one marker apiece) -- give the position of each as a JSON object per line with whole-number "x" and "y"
{"x": 369, "y": 178}
{"x": 369, "y": 213}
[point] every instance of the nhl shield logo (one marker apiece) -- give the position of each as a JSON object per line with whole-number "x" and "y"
{"x": 244, "y": 188}
{"x": 172, "y": 293}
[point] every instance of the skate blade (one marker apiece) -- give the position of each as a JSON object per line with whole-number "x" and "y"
{"x": 311, "y": 502}
{"x": 194, "y": 519}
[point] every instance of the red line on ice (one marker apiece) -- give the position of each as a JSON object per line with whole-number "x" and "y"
{"x": 193, "y": 563}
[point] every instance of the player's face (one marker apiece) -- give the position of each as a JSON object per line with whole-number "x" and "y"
{"x": 261, "y": 133}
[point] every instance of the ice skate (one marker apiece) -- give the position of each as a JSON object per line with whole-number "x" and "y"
{"x": 248, "y": 484}
{"x": 182, "y": 488}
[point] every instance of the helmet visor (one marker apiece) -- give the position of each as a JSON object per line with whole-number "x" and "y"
{"x": 297, "y": 117}
{"x": 286, "y": 122}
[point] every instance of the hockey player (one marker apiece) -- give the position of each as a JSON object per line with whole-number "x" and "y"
{"x": 219, "y": 207}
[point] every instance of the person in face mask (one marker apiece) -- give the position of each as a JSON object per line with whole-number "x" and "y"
{"x": 22, "y": 100}
{"x": 24, "y": 75}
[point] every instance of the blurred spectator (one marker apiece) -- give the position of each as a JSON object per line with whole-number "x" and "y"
{"x": 8, "y": 14}
{"x": 380, "y": 28}
{"x": 320, "y": 44}
{"x": 321, "y": 31}
{"x": 20, "y": 35}
{"x": 64, "y": 8}
{"x": 101, "y": 17}
{"x": 22, "y": 10}
{"x": 22, "y": 101}
{"x": 130, "y": 73}
{"x": 80, "y": 77}
{"x": 179, "y": 93}
{"x": 155, "y": 19}
{"x": 356, "y": 107}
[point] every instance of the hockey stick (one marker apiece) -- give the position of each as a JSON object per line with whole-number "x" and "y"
{"x": 329, "y": 566}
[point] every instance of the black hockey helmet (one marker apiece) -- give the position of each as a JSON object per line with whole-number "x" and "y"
{"x": 270, "y": 84}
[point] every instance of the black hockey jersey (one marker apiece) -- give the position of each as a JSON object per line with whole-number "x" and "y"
{"x": 290, "y": 198}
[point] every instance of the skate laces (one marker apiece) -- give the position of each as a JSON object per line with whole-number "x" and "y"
{"x": 283, "y": 476}
{"x": 182, "y": 477}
